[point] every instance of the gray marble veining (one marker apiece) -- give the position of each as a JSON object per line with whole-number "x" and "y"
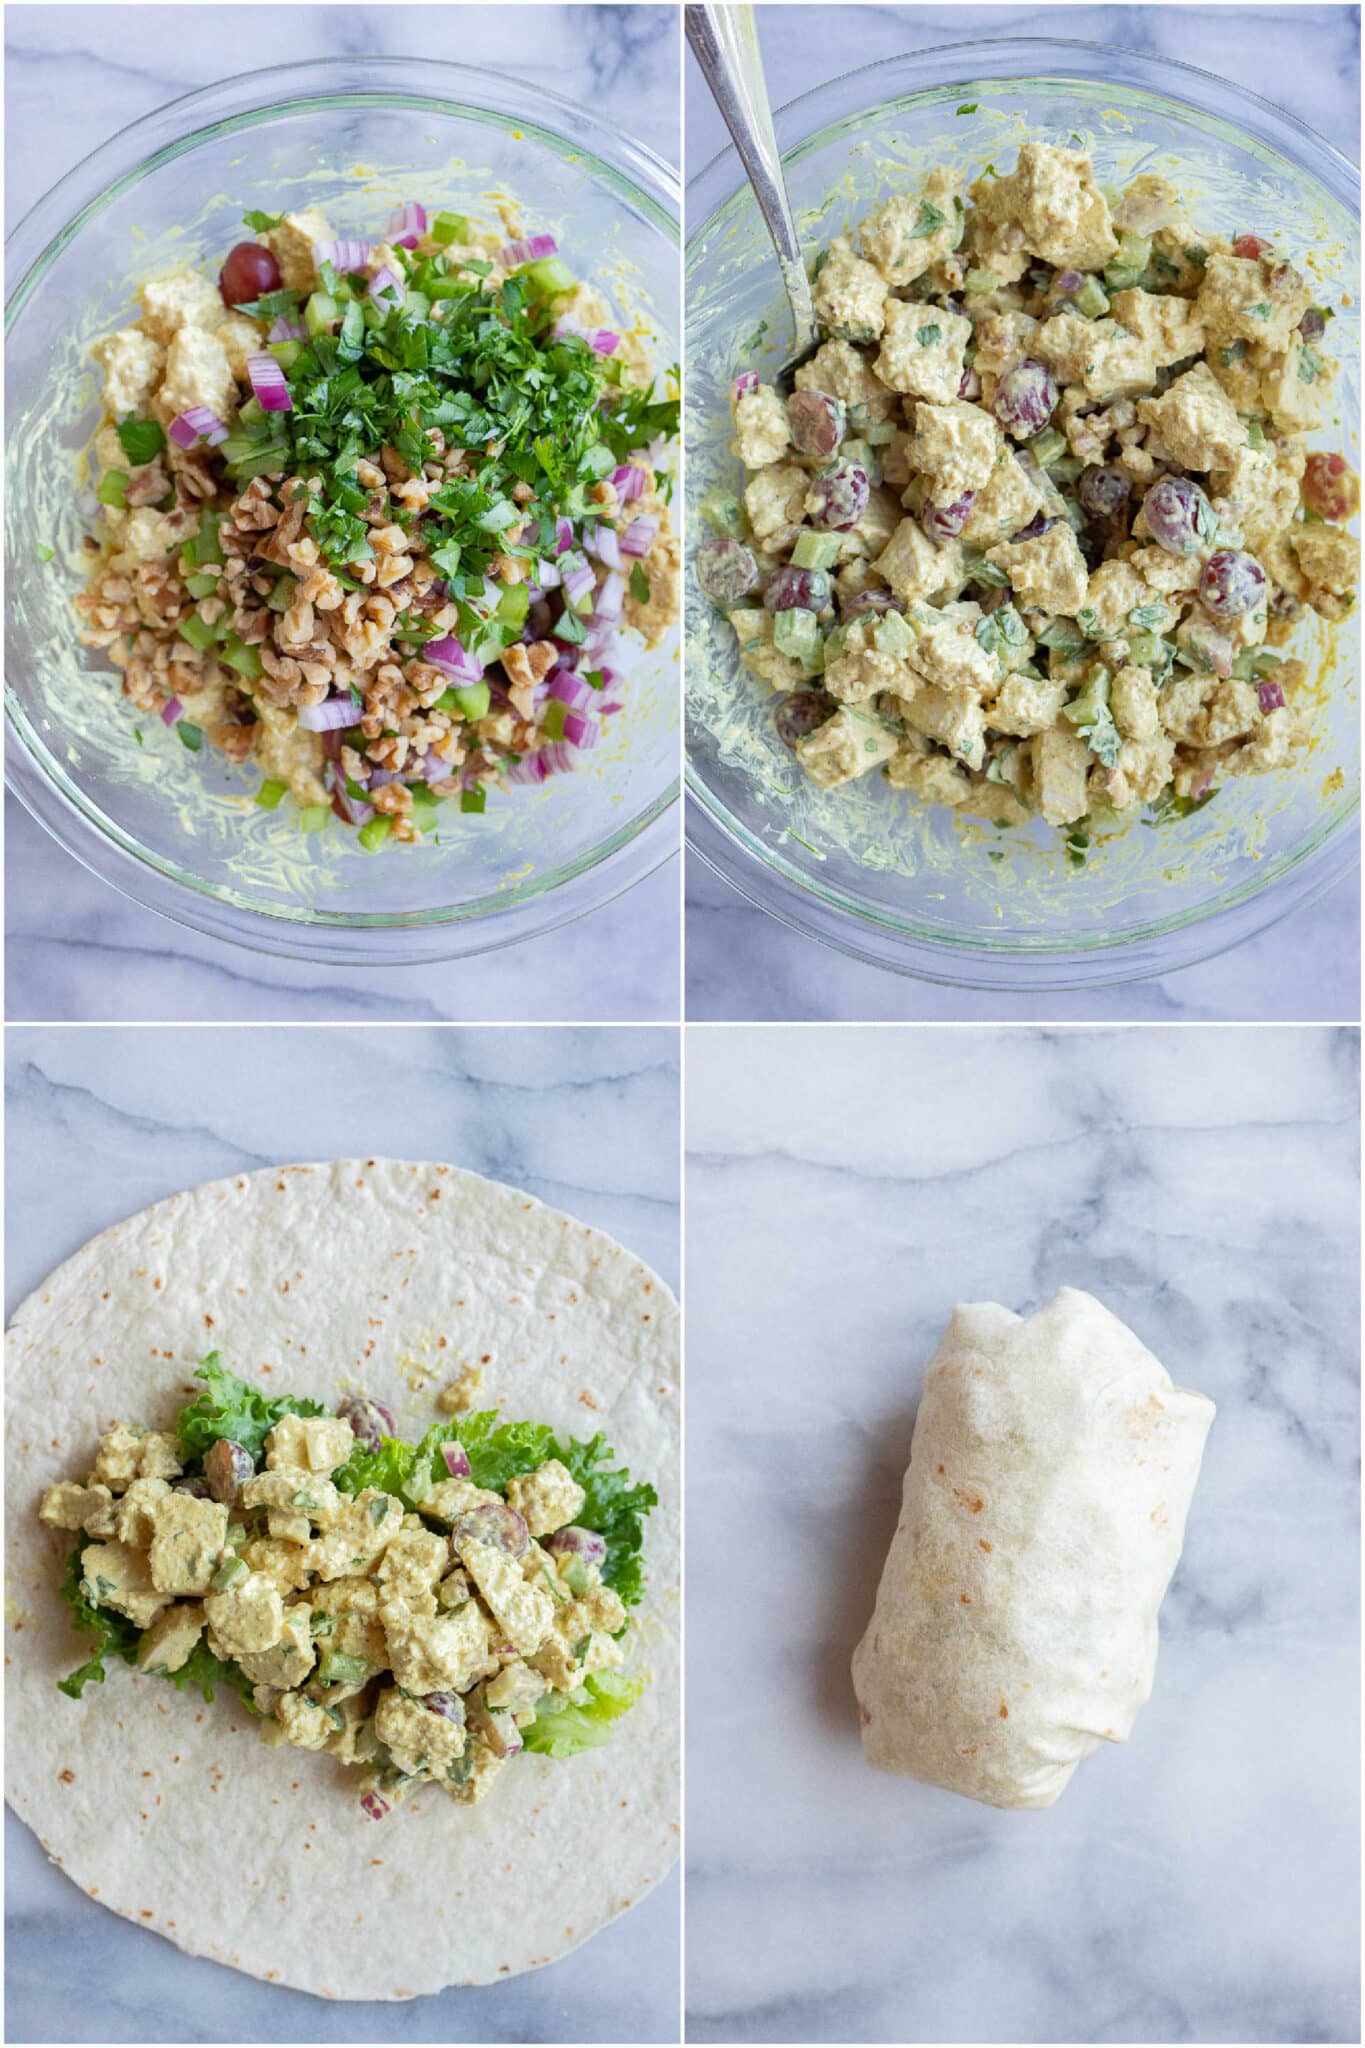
{"x": 101, "y": 1122}
{"x": 742, "y": 964}
{"x": 845, "y": 1187}
{"x": 75, "y": 948}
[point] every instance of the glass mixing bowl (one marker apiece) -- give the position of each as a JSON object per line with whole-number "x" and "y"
{"x": 180, "y": 832}
{"x": 871, "y": 871}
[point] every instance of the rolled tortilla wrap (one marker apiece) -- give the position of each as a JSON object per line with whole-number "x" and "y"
{"x": 1044, "y": 1509}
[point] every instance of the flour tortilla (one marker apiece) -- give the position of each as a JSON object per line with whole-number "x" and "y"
{"x": 374, "y": 1275}
{"x": 1015, "y": 1629}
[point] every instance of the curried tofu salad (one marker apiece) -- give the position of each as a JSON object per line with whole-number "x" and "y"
{"x": 1034, "y": 530}
{"x": 385, "y": 519}
{"x": 423, "y": 1613}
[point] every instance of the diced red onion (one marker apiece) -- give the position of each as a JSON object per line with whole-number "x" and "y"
{"x": 629, "y": 482}
{"x": 377, "y": 777}
{"x": 579, "y": 731}
{"x": 407, "y": 225}
{"x": 343, "y": 256}
{"x": 577, "y": 583}
{"x": 456, "y": 1460}
{"x": 267, "y": 381}
{"x": 747, "y": 380}
{"x": 607, "y": 710}
{"x": 547, "y": 575}
{"x": 329, "y": 716}
{"x": 529, "y": 769}
{"x": 559, "y": 757}
{"x": 434, "y": 769}
{"x": 563, "y": 535}
{"x": 197, "y": 424}
{"x": 448, "y": 656}
{"x": 287, "y": 330}
{"x": 604, "y": 342}
{"x": 639, "y": 537}
{"x": 347, "y": 806}
{"x": 1270, "y": 696}
{"x": 567, "y": 688}
{"x": 386, "y": 287}
{"x": 610, "y": 598}
{"x": 606, "y": 544}
{"x": 514, "y": 254}
{"x": 173, "y": 709}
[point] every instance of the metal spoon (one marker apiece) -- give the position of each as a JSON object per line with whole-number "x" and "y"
{"x": 725, "y": 41}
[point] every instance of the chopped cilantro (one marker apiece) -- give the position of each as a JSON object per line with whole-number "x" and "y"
{"x": 143, "y": 440}
{"x": 639, "y": 584}
{"x": 969, "y": 108}
{"x": 261, "y": 223}
{"x": 928, "y": 221}
{"x": 191, "y": 736}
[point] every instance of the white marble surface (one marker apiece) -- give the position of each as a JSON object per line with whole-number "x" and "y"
{"x": 77, "y": 950}
{"x": 740, "y": 963}
{"x": 103, "y": 1121}
{"x": 844, "y": 1189}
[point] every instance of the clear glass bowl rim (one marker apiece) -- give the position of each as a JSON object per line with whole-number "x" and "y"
{"x": 634, "y": 849}
{"x": 757, "y": 871}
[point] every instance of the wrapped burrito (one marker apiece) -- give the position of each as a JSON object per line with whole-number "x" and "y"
{"x": 1044, "y": 1509}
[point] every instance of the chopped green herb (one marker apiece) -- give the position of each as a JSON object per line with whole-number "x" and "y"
{"x": 142, "y": 440}
{"x": 639, "y": 584}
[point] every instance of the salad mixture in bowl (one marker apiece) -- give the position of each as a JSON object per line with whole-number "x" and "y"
{"x": 1037, "y": 524}
{"x": 384, "y": 520}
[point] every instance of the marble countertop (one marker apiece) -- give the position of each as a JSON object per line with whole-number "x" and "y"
{"x": 76, "y": 949}
{"x": 742, "y": 964}
{"x": 587, "y": 1120}
{"x": 844, "y": 1189}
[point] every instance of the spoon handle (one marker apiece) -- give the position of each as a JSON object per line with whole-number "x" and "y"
{"x": 724, "y": 39}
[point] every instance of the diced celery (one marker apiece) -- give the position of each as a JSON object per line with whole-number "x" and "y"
{"x": 797, "y": 634}
{"x": 448, "y": 228}
{"x": 271, "y": 793}
{"x": 816, "y": 550}
{"x": 113, "y": 489}
{"x": 549, "y": 277}
{"x": 281, "y": 594}
{"x": 201, "y": 586}
{"x": 286, "y": 353}
{"x": 555, "y": 715}
{"x": 979, "y": 282}
{"x": 1092, "y": 300}
{"x": 198, "y": 632}
{"x": 244, "y": 659}
{"x": 312, "y": 817}
{"x": 206, "y": 546}
{"x": 1065, "y": 469}
{"x": 417, "y": 305}
{"x": 374, "y": 832}
{"x": 892, "y": 636}
{"x": 1145, "y": 649}
{"x": 1048, "y": 446}
{"x": 473, "y": 699}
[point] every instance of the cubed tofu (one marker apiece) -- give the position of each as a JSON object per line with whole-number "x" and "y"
{"x": 922, "y": 350}
{"x": 1008, "y": 501}
{"x": 1103, "y": 359}
{"x": 439, "y": 1653}
{"x": 295, "y": 1493}
{"x": 1132, "y": 700}
{"x": 762, "y": 435}
{"x": 289, "y": 1660}
{"x": 849, "y": 295}
{"x": 476, "y": 1782}
{"x": 523, "y": 1612}
{"x": 69, "y": 1505}
{"x": 1251, "y": 298}
{"x": 846, "y": 746}
{"x": 248, "y": 1617}
{"x": 132, "y": 363}
{"x": 240, "y": 338}
{"x": 1113, "y": 592}
{"x": 455, "y": 1497}
{"x": 135, "y": 1515}
{"x": 955, "y": 718}
{"x": 285, "y": 1564}
{"x": 417, "y": 1737}
{"x": 1196, "y": 421}
{"x": 1258, "y": 496}
{"x": 517, "y": 1687}
{"x": 357, "y": 1535}
{"x": 168, "y": 1644}
{"x": 862, "y": 671}
{"x": 306, "y": 1725}
{"x": 187, "y": 1543}
{"x": 1052, "y": 197}
{"x": 125, "y": 1454}
{"x": 1024, "y": 706}
{"x": 1141, "y": 772}
{"x": 292, "y": 244}
{"x": 955, "y": 448}
{"x": 188, "y": 299}
{"x": 197, "y": 373}
{"x": 775, "y": 500}
{"x": 932, "y": 777}
{"x": 546, "y": 1499}
{"x": 1329, "y": 558}
{"x": 910, "y": 232}
{"x": 842, "y": 371}
{"x": 1047, "y": 573}
{"x": 913, "y": 567}
{"x": 309, "y": 1443}
{"x": 1169, "y": 327}
{"x": 1297, "y": 386}
{"x": 117, "y": 1577}
{"x": 413, "y": 1564}
{"x": 946, "y": 651}
{"x": 1061, "y": 763}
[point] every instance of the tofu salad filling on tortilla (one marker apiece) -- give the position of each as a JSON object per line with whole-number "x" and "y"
{"x": 224, "y": 1468}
